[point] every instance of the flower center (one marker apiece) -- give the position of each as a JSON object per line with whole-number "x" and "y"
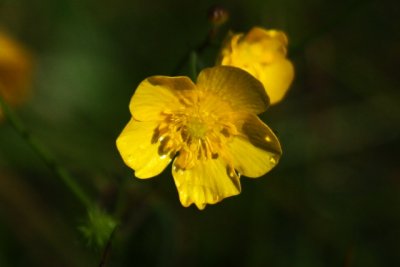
{"x": 196, "y": 128}
{"x": 193, "y": 134}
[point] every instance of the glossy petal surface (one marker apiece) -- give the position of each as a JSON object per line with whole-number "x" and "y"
{"x": 235, "y": 87}
{"x": 259, "y": 145}
{"x": 139, "y": 152}
{"x": 158, "y": 94}
{"x": 206, "y": 183}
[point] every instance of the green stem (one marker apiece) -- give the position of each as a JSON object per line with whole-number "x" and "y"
{"x": 42, "y": 153}
{"x": 197, "y": 50}
{"x": 107, "y": 249}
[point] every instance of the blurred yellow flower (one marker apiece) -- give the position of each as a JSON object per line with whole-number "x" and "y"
{"x": 262, "y": 53}
{"x": 15, "y": 71}
{"x": 209, "y": 129}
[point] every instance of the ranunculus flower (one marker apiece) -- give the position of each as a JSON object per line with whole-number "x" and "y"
{"x": 209, "y": 129}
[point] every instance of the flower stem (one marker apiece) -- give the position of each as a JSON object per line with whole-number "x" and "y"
{"x": 43, "y": 153}
{"x": 193, "y": 65}
{"x": 107, "y": 249}
{"x": 195, "y": 51}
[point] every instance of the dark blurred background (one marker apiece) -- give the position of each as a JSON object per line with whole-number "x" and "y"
{"x": 334, "y": 199}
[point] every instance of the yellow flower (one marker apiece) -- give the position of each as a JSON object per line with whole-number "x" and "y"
{"x": 15, "y": 71}
{"x": 209, "y": 129}
{"x": 262, "y": 53}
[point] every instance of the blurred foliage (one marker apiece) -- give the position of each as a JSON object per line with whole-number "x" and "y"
{"x": 334, "y": 199}
{"x": 99, "y": 228}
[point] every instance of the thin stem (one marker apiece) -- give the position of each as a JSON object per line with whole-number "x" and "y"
{"x": 43, "y": 153}
{"x": 107, "y": 249}
{"x": 198, "y": 50}
{"x": 193, "y": 65}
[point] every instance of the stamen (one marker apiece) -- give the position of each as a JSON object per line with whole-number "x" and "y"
{"x": 225, "y": 132}
{"x": 195, "y": 134}
{"x": 156, "y": 136}
{"x": 164, "y": 147}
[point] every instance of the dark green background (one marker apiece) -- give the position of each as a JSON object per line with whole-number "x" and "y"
{"x": 333, "y": 200}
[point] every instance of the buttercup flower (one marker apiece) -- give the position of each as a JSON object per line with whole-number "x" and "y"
{"x": 262, "y": 53}
{"x": 15, "y": 71}
{"x": 209, "y": 130}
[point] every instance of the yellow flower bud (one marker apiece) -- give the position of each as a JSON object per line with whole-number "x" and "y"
{"x": 262, "y": 53}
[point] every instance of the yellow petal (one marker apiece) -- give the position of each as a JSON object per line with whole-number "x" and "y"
{"x": 206, "y": 183}
{"x": 257, "y": 150}
{"x": 260, "y": 46}
{"x": 158, "y": 94}
{"x": 277, "y": 78}
{"x": 235, "y": 86}
{"x": 137, "y": 150}
{"x": 257, "y": 33}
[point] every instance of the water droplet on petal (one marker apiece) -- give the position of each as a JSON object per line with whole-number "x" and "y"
{"x": 231, "y": 172}
{"x": 268, "y": 139}
{"x": 272, "y": 160}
